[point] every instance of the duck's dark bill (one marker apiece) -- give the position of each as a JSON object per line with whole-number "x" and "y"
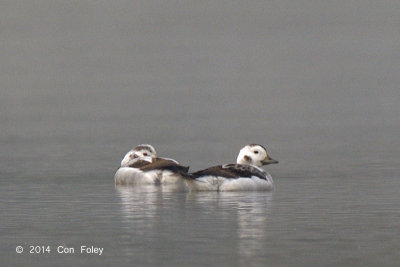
{"x": 269, "y": 161}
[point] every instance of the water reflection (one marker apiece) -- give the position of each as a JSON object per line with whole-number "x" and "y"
{"x": 248, "y": 210}
{"x": 233, "y": 223}
{"x": 138, "y": 208}
{"x": 253, "y": 215}
{"x": 138, "y": 202}
{"x": 173, "y": 188}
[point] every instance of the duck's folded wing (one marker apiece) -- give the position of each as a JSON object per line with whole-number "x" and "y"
{"x": 139, "y": 163}
{"x": 231, "y": 171}
{"x": 216, "y": 171}
{"x": 164, "y": 164}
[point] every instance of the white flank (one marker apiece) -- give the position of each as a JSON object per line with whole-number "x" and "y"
{"x": 168, "y": 177}
{"x": 245, "y": 184}
{"x": 133, "y": 176}
{"x": 205, "y": 183}
{"x": 213, "y": 183}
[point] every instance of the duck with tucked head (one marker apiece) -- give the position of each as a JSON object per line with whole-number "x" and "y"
{"x": 141, "y": 166}
{"x": 245, "y": 175}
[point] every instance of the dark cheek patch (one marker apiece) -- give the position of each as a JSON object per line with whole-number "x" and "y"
{"x": 247, "y": 158}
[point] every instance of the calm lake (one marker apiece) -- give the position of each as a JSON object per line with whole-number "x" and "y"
{"x": 81, "y": 83}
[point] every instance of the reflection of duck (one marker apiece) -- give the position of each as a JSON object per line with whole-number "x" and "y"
{"x": 253, "y": 214}
{"x": 247, "y": 212}
{"x": 246, "y": 175}
{"x": 138, "y": 202}
{"x": 139, "y": 206}
{"x": 142, "y": 166}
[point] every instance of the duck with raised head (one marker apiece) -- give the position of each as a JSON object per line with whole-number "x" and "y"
{"x": 245, "y": 175}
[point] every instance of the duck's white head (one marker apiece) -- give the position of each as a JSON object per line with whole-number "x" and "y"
{"x": 254, "y": 155}
{"x": 141, "y": 151}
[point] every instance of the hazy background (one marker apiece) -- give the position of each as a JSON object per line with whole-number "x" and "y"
{"x": 317, "y": 82}
{"x": 84, "y": 81}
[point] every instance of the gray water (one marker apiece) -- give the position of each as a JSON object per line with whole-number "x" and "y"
{"x": 317, "y": 82}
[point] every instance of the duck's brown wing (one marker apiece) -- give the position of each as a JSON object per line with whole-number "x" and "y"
{"x": 161, "y": 164}
{"x": 138, "y": 163}
{"x": 231, "y": 171}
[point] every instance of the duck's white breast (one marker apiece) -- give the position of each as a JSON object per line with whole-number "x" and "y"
{"x": 134, "y": 176}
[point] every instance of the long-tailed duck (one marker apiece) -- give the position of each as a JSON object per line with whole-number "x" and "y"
{"x": 142, "y": 166}
{"x": 245, "y": 175}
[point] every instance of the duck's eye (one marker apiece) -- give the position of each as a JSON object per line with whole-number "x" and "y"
{"x": 256, "y": 152}
{"x": 144, "y": 154}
